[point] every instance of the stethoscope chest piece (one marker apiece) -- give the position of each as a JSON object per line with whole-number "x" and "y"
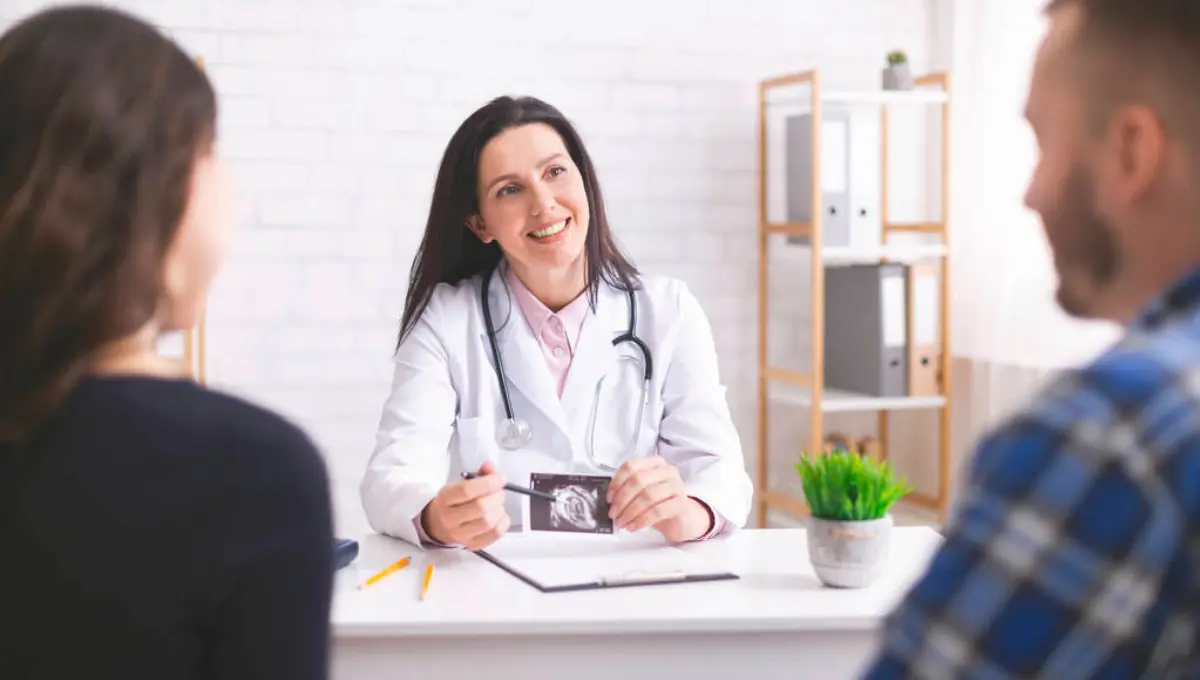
{"x": 513, "y": 433}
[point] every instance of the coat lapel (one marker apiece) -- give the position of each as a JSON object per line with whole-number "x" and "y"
{"x": 524, "y": 362}
{"x": 594, "y": 356}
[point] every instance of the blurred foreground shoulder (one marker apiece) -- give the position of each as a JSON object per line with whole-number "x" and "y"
{"x": 277, "y": 573}
{"x": 268, "y": 445}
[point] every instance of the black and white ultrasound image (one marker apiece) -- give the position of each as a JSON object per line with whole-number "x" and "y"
{"x": 581, "y": 507}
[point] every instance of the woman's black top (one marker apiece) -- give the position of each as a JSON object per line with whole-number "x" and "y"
{"x": 159, "y": 529}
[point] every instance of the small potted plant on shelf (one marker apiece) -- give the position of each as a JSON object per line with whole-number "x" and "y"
{"x": 897, "y": 75}
{"x": 849, "y": 497}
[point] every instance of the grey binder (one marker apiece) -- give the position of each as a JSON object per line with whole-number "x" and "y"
{"x": 866, "y": 329}
{"x": 851, "y": 176}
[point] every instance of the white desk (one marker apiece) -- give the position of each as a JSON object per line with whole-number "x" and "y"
{"x": 776, "y": 621}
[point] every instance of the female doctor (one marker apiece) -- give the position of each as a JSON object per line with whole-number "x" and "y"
{"x": 530, "y": 344}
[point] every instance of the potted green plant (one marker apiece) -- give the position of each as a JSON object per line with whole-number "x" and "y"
{"x": 849, "y": 498}
{"x": 897, "y": 75}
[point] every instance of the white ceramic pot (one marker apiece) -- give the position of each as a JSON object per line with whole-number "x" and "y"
{"x": 849, "y": 554}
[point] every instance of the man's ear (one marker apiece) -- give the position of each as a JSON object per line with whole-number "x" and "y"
{"x": 476, "y": 225}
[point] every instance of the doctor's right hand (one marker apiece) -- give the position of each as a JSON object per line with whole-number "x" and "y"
{"x": 469, "y": 513}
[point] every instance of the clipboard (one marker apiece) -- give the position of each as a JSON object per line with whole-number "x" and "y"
{"x": 566, "y": 563}
{"x": 621, "y": 580}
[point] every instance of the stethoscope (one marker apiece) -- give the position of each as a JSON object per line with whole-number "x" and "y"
{"x": 514, "y": 433}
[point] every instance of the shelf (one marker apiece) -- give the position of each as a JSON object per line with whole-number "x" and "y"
{"x": 875, "y": 254}
{"x": 840, "y": 401}
{"x": 870, "y": 97}
{"x": 791, "y": 229}
{"x": 886, "y": 97}
{"x": 853, "y": 255}
{"x": 916, "y": 508}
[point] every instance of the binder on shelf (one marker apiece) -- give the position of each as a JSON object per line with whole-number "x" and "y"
{"x": 866, "y": 336}
{"x": 924, "y": 377}
{"x": 851, "y": 176}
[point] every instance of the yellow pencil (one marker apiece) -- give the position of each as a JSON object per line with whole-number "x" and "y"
{"x": 395, "y": 566}
{"x": 425, "y": 583}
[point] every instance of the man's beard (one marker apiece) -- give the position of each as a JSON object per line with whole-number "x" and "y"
{"x": 1085, "y": 250}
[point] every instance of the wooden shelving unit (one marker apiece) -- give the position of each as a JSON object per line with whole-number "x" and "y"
{"x": 193, "y": 351}
{"x": 807, "y": 390}
{"x": 186, "y": 351}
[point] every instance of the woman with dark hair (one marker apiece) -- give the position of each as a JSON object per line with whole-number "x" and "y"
{"x": 149, "y": 527}
{"x": 531, "y": 346}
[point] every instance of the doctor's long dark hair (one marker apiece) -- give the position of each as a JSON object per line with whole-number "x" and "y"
{"x": 101, "y": 121}
{"x": 450, "y": 252}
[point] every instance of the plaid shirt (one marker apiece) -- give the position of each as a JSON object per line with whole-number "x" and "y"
{"x": 1076, "y": 551}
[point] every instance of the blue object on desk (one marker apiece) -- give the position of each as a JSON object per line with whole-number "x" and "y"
{"x": 345, "y": 551}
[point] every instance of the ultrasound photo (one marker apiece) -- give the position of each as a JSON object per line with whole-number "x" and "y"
{"x": 581, "y": 506}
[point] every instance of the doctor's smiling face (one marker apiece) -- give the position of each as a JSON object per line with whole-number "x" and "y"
{"x": 532, "y": 202}
{"x": 516, "y": 183}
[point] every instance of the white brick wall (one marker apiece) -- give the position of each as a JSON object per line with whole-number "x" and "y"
{"x": 335, "y": 113}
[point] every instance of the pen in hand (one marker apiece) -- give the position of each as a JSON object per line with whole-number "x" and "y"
{"x": 519, "y": 489}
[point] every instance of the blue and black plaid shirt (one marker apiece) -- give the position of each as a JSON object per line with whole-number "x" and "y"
{"x": 1076, "y": 551}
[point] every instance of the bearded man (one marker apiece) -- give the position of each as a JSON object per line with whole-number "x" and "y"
{"x": 1076, "y": 551}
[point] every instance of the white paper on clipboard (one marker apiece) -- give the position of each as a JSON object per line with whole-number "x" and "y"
{"x": 556, "y": 560}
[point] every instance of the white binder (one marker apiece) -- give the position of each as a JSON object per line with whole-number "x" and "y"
{"x": 851, "y": 162}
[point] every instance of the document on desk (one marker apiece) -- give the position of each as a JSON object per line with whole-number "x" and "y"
{"x": 559, "y": 562}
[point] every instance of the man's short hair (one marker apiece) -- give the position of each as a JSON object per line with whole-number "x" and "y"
{"x": 1140, "y": 50}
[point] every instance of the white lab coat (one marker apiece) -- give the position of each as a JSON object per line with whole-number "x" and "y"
{"x": 445, "y": 404}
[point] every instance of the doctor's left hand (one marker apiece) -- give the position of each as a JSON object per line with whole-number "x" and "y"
{"x": 648, "y": 492}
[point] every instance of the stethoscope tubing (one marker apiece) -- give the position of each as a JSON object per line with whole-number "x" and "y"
{"x": 501, "y": 375}
{"x": 630, "y": 335}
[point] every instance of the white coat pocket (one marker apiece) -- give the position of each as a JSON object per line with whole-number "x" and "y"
{"x": 624, "y": 423}
{"x": 476, "y": 442}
